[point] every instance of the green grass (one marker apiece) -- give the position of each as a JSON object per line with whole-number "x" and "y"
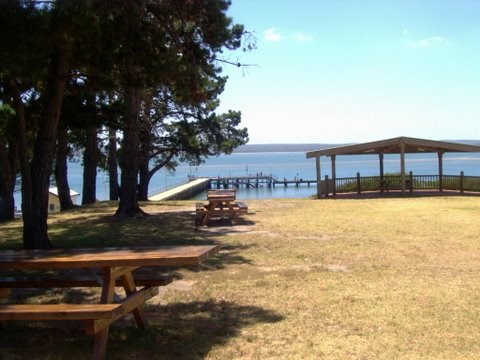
{"x": 393, "y": 278}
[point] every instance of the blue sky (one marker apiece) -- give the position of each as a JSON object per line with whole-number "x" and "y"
{"x": 339, "y": 71}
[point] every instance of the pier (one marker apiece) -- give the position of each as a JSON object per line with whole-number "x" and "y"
{"x": 195, "y": 186}
{"x": 254, "y": 181}
{"x": 183, "y": 192}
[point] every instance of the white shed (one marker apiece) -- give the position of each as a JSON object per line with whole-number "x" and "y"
{"x": 54, "y": 201}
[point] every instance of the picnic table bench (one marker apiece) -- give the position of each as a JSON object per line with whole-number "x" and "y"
{"x": 117, "y": 266}
{"x": 37, "y": 282}
{"x": 221, "y": 203}
{"x": 98, "y": 317}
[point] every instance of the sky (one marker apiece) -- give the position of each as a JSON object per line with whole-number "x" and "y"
{"x": 348, "y": 71}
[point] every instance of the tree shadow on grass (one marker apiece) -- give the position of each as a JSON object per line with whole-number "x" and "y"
{"x": 169, "y": 228}
{"x": 95, "y": 226}
{"x": 190, "y": 330}
{"x": 177, "y": 331}
{"x": 228, "y": 255}
{"x": 166, "y": 228}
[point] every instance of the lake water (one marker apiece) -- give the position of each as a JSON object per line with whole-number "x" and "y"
{"x": 290, "y": 165}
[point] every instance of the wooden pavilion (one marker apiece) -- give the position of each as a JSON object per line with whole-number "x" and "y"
{"x": 400, "y": 145}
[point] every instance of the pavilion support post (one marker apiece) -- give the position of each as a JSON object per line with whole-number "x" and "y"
{"x": 461, "y": 181}
{"x": 334, "y": 175}
{"x": 440, "y": 171}
{"x": 327, "y": 186}
{"x": 382, "y": 179}
{"x": 359, "y": 183}
{"x": 319, "y": 178}
{"x": 410, "y": 181}
{"x": 402, "y": 166}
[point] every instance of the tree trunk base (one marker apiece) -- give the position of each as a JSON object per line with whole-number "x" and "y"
{"x": 130, "y": 213}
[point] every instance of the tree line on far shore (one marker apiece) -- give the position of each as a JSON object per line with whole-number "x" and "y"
{"x": 130, "y": 84}
{"x": 305, "y": 147}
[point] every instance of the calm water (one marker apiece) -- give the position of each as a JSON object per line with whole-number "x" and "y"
{"x": 290, "y": 165}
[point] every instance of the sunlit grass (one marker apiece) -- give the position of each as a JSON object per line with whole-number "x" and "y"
{"x": 393, "y": 278}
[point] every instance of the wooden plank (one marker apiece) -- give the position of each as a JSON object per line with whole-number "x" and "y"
{"x": 104, "y": 257}
{"x": 60, "y": 311}
{"x": 138, "y": 297}
{"x": 77, "y": 281}
{"x": 108, "y": 287}
{"x": 127, "y": 305}
{"x": 117, "y": 271}
{"x": 221, "y": 197}
{"x": 226, "y": 212}
{"x": 100, "y": 344}
{"x": 130, "y": 290}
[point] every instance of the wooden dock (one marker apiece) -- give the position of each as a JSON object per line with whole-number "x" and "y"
{"x": 255, "y": 181}
{"x": 197, "y": 185}
{"x": 227, "y": 182}
{"x": 294, "y": 182}
{"x": 183, "y": 192}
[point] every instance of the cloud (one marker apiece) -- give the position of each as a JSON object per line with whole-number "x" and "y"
{"x": 428, "y": 42}
{"x": 272, "y": 34}
{"x": 301, "y": 37}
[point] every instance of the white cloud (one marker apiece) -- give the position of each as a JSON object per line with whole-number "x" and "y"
{"x": 428, "y": 42}
{"x": 301, "y": 37}
{"x": 272, "y": 34}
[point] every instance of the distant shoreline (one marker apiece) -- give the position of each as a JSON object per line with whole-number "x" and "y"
{"x": 260, "y": 148}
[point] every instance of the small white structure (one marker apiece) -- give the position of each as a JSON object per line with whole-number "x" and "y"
{"x": 54, "y": 200}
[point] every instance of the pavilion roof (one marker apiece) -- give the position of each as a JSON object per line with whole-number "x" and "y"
{"x": 394, "y": 146}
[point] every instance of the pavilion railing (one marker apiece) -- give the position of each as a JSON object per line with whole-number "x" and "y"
{"x": 390, "y": 182}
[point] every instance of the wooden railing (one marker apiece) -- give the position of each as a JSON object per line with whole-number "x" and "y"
{"x": 389, "y": 182}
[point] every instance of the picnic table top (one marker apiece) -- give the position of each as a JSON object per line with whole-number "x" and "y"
{"x": 106, "y": 257}
{"x": 223, "y": 195}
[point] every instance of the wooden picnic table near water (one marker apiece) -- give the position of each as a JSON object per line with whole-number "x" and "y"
{"x": 116, "y": 269}
{"x": 221, "y": 195}
{"x": 221, "y": 203}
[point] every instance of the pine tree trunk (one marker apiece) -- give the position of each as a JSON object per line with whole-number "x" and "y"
{"x": 90, "y": 167}
{"x": 35, "y": 185}
{"x": 112, "y": 164}
{"x": 8, "y": 173}
{"x": 61, "y": 170}
{"x": 7, "y": 205}
{"x": 144, "y": 180}
{"x": 24, "y": 164}
{"x": 128, "y": 205}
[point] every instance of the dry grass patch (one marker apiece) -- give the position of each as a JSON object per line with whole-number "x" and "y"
{"x": 297, "y": 279}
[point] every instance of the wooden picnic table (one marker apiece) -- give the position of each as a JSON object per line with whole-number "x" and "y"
{"x": 221, "y": 203}
{"x": 116, "y": 264}
{"x": 221, "y": 195}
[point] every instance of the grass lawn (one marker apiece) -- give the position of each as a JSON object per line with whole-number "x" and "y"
{"x": 391, "y": 278}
